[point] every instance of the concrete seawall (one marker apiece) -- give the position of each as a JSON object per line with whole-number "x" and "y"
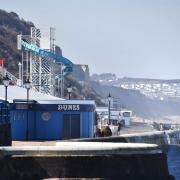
{"x": 160, "y": 138}
{"x": 84, "y": 160}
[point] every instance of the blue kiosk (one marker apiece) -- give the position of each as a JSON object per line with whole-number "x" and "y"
{"x": 46, "y": 117}
{"x": 66, "y": 119}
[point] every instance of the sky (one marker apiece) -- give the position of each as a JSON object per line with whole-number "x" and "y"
{"x": 131, "y": 38}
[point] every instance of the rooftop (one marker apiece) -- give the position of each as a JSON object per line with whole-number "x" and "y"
{"x": 20, "y": 93}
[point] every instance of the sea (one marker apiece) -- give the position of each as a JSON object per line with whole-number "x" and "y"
{"x": 173, "y": 159}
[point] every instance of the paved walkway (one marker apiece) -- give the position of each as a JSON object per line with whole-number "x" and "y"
{"x": 137, "y": 127}
{"x": 33, "y": 143}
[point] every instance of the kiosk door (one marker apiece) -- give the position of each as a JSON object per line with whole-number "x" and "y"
{"x": 71, "y": 126}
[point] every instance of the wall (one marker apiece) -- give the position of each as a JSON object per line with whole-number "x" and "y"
{"x": 158, "y": 137}
{"x": 127, "y": 167}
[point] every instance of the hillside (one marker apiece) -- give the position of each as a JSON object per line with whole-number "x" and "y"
{"x": 112, "y": 79}
{"x": 10, "y": 26}
{"x": 139, "y": 103}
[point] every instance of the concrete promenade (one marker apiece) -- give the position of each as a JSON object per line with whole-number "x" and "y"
{"x": 137, "y": 127}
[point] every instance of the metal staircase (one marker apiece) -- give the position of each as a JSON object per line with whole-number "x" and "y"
{"x": 13, "y": 78}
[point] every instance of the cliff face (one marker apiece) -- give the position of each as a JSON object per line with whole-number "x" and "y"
{"x": 81, "y": 72}
{"x": 82, "y": 91}
{"x": 10, "y": 26}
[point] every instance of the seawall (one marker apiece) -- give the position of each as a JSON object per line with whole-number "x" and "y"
{"x": 112, "y": 161}
{"x": 160, "y": 138}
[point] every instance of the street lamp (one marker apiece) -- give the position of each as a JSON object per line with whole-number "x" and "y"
{"x": 27, "y": 86}
{"x": 69, "y": 89}
{"x": 6, "y": 82}
{"x": 109, "y": 107}
{"x": 20, "y": 74}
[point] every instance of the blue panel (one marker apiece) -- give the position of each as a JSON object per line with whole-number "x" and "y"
{"x": 91, "y": 124}
{"x": 48, "y": 129}
{"x": 87, "y": 124}
{"x": 84, "y": 123}
{"x": 18, "y": 125}
{"x": 31, "y": 125}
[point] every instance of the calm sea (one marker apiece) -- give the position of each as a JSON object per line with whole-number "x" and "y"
{"x": 173, "y": 158}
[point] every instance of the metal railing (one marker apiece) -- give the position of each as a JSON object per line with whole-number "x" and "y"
{"x": 14, "y": 79}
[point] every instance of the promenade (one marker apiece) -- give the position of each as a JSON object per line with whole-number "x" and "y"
{"x": 136, "y": 127}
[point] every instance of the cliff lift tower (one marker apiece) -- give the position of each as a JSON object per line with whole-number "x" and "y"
{"x": 40, "y": 63}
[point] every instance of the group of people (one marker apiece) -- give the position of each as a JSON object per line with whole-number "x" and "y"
{"x": 106, "y": 131}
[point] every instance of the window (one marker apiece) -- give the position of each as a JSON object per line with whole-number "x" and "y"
{"x": 126, "y": 114}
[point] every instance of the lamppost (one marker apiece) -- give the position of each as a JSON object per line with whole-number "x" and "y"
{"x": 69, "y": 89}
{"x": 20, "y": 74}
{"x": 27, "y": 86}
{"x": 109, "y": 107}
{"x": 6, "y": 82}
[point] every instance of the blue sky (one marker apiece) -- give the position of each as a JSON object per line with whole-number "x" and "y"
{"x": 132, "y": 38}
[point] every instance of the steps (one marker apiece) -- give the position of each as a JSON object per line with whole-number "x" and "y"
{"x": 13, "y": 78}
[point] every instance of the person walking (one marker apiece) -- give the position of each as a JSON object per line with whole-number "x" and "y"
{"x": 119, "y": 128}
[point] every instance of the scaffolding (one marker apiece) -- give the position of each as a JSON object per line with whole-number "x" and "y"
{"x": 40, "y": 63}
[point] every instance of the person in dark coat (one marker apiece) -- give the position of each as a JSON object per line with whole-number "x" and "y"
{"x": 119, "y": 128}
{"x": 98, "y": 132}
{"x": 106, "y": 131}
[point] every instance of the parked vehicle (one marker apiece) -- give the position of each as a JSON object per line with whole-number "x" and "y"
{"x": 122, "y": 116}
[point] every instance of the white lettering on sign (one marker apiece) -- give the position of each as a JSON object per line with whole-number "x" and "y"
{"x": 68, "y": 107}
